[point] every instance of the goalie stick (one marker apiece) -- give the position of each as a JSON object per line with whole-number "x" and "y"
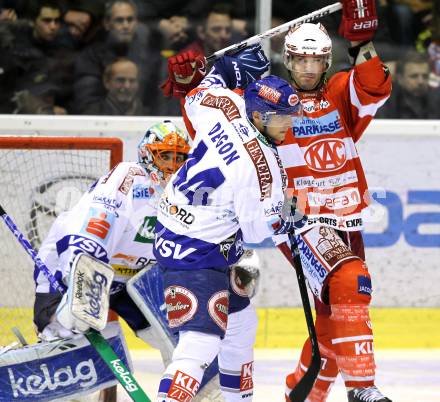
{"x": 302, "y": 389}
{"x": 101, "y": 345}
{"x": 322, "y": 12}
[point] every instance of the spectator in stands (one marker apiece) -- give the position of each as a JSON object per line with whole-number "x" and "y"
{"x": 411, "y": 97}
{"x": 121, "y": 80}
{"x": 408, "y": 19}
{"x": 7, "y": 14}
{"x": 82, "y": 21}
{"x": 8, "y": 70}
{"x": 125, "y": 37}
{"x": 214, "y": 32}
{"x": 175, "y": 31}
{"x": 434, "y": 47}
{"x": 37, "y": 95}
{"x": 36, "y": 46}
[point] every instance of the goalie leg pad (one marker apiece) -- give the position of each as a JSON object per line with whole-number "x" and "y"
{"x": 49, "y": 371}
{"x": 146, "y": 290}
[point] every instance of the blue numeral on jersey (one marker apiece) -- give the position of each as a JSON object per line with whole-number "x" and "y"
{"x": 197, "y": 188}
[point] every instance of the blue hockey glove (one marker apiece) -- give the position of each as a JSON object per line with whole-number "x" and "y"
{"x": 290, "y": 219}
{"x": 242, "y": 68}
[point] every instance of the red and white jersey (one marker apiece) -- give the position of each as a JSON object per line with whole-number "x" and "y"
{"x": 319, "y": 153}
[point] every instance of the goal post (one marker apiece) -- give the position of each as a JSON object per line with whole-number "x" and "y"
{"x": 40, "y": 178}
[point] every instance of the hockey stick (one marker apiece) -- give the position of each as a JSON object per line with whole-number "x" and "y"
{"x": 322, "y": 12}
{"x": 302, "y": 389}
{"x": 101, "y": 345}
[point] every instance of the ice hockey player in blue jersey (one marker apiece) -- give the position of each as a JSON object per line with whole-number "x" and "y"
{"x": 230, "y": 191}
{"x": 114, "y": 223}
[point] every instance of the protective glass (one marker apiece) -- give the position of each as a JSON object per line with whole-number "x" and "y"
{"x": 276, "y": 119}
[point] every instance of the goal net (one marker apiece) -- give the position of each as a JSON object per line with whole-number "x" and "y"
{"x": 40, "y": 177}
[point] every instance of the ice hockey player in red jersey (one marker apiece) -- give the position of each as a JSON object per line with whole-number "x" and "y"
{"x": 326, "y": 175}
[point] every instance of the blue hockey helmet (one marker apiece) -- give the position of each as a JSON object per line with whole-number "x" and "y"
{"x": 270, "y": 96}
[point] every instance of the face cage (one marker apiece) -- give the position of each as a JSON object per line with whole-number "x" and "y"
{"x": 167, "y": 167}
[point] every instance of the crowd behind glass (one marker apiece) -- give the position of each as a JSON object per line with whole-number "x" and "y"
{"x": 108, "y": 58}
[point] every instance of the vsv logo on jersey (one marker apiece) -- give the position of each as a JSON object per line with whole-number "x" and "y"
{"x": 168, "y": 248}
{"x": 83, "y": 244}
{"x": 326, "y": 155}
{"x": 84, "y": 374}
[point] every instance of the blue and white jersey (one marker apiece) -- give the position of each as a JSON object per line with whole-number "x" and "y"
{"x": 229, "y": 191}
{"x": 114, "y": 222}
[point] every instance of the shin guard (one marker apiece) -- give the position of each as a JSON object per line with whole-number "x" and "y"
{"x": 329, "y": 370}
{"x": 350, "y": 325}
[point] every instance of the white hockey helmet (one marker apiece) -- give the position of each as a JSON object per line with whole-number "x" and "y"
{"x": 161, "y": 138}
{"x": 307, "y": 40}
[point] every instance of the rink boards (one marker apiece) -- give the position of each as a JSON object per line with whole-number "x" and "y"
{"x": 401, "y": 160}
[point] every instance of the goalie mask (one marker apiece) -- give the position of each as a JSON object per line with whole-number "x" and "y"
{"x": 308, "y": 52}
{"x": 163, "y": 150}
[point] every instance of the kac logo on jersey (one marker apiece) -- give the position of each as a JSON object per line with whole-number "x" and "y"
{"x": 326, "y": 155}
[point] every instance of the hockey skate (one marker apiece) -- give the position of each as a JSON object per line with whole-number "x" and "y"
{"x": 367, "y": 394}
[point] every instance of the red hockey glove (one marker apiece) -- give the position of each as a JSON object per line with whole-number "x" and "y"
{"x": 185, "y": 71}
{"x": 359, "y": 20}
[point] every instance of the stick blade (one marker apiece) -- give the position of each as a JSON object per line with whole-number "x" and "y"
{"x": 302, "y": 389}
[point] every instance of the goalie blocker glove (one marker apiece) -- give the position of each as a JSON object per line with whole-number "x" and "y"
{"x": 242, "y": 68}
{"x": 185, "y": 71}
{"x": 359, "y": 20}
